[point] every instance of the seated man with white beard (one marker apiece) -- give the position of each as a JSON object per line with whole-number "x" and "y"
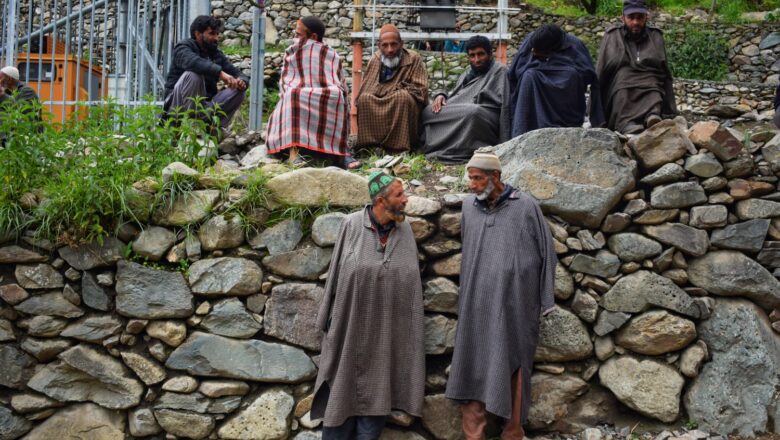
{"x": 393, "y": 93}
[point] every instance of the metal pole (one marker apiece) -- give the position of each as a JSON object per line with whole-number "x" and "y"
{"x": 54, "y": 69}
{"x": 121, "y": 39}
{"x": 198, "y": 7}
{"x": 79, "y": 55}
{"x": 502, "y": 28}
{"x": 53, "y": 27}
{"x": 10, "y": 33}
{"x": 357, "y": 64}
{"x": 258, "y": 70}
{"x": 65, "y": 95}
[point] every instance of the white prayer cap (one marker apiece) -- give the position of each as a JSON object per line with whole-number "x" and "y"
{"x": 484, "y": 160}
{"x": 11, "y": 71}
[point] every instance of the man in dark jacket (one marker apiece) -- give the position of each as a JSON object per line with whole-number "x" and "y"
{"x": 197, "y": 66}
{"x": 13, "y": 90}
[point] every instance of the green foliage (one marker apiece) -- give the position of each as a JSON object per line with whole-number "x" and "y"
{"x": 80, "y": 171}
{"x": 242, "y": 51}
{"x": 697, "y": 54}
{"x": 691, "y": 424}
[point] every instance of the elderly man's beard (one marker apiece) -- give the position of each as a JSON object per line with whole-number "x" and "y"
{"x": 482, "y": 69}
{"x": 391, "y": 63}
{"x": 483, "y": 195}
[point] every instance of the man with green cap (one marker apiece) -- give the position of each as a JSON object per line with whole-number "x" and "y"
{"x": 373, "y": 350}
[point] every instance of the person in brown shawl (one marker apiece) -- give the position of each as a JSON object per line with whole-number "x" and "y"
{"x": 507, "y": 275}
{"x": 373, "y": 350}
{"x": 392, "y": 95}
{"x": 633, "y": 71}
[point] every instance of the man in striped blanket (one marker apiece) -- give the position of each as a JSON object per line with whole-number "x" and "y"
{"x": 313, "y": 108}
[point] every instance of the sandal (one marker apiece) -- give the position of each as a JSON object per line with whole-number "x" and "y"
{"x": 350, "y": 163}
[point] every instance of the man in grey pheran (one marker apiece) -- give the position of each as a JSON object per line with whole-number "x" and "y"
{"x": 196, "y": 67}
{"x": 373, "y": 350}
{"x": 506, "y": 285}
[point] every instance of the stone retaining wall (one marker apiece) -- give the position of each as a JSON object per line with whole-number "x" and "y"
{"x": 666, "y": 292}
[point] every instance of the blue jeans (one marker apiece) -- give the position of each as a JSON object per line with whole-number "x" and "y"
{"x": 357, "y": 427}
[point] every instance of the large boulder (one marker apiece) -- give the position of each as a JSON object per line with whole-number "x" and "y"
{"x": 305, "y": 264}
{"x": 150, "y": 293}
{"x": 647, "y": 386}
{"x": 656, "y": 332}
{"x": 204, "y": 354}
{"x": 229, "y": 317}
{"x": 562, "y": 337}
{"x": 92, "y": 255}
{"x": 85, "y": 374}
{"x": 221, "y": 232}
{"x": 280, "y": 238}
{"x": 264, "y": 419}
{"x": 662, "y": 143}
{"x": 551, "y": 396}
{"x": 640, "y": 290}
{"x": 290, "y": 314}
{"x": 318, "y": 186}
{"x": 325, "y": 229}
{"x": 715, "y": 138}
{"x": 225, "y": 276}
{"x": 154, "y": 242}
{"x": 731, "y": 273}
{"x": 735, "y": 393}
{"x": 580, "y": 179}
{"x": 187, "y": 209}
{"x": 85, "y": 421}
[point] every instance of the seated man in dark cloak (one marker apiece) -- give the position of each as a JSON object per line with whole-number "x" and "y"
{"x": 549, "y": 78}
{"x": 475, "y": 114}
{"x": 636, "y": 83}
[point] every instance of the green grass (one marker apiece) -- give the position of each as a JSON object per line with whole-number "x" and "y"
{"x": 243, "y": 51}
{"x": 728, "y": 10}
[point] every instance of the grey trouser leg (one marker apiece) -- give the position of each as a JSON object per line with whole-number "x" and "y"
{"x": 356, "y": 428}
{"x": 191, "y": 85}
{"x": 776, "y": 119}
{"x": 228, "y": 100}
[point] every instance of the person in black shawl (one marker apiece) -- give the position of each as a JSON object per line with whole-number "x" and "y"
{"x": 548, "y": 79}
{"x": 636, "y": 83}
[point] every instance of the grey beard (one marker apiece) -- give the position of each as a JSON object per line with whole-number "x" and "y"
{"x": 484, "y": 194}
{"x": 391, "y": 63}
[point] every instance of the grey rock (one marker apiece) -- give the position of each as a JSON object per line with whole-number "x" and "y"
{"x": 217, "y": 356}
{"x": 94, "y": 295}
{"x": 43, "y": 326}
{"x": 387, "y": 434}
{"x": 50, "y": 304}
{"x": 45, "y": 350}
{"x": 141, "y": 423}
{"x": 93, "y": 328}
{"x": 85, "y": 374}
{"x": 180, "y": 170}
{"x": 315, "y": 186}
{"x": 608, "y": 322}
{"x": 220, "y": 232}
{"x": 154, "y": 242}
{"x": 580, "y": 181}
{"x": 225, "y": 276}
{"x": 150, "y": 293}
{"x": 421, "y": 229}
{"x": 551, "y": 396}
{"x": 81, "y": 421}
{"x": 221, "y": 388}
{"x": 171, "y": 332}
{"x": 14, "y": 254}
{"x": 39, "y": 276}
{"x": 92, "y": 255}
{"x": 656, "y": 332}
{"x": 6, "y": 331}
{"x": 703, "y": 165}
{"x": 707, "y": 217}
{"x": 441, "y": 248}
{"x": 17, "y": 366}
{"x": 11, "y": 425}
{"x": 13, "y": 294}
{"x": 32, "y": 402}
{"x": 643, "y": 289}
{"x": 770, "y": 41}
{"x": 230, "y": 318}
{"x": 677, "y": 195}
{"x": 307, "y": 263}
{"x": 630, "y": 246}
{"x": 187, "y": 209}
{"x": 741, "y": 166}
{"x": 421, "y": 206}
{"x": 325, "y": 229}
{"x": 757, "y": 208}
{"x": 185, "y": 424}
{"x": 148, "y": 370}
{"x": 449, "y": 223}
{"x": 585, "y": 306}
{"x": 616, "y": 222}
{"x": 770, "y": 256}
{"x": 564, "y": 283}
{"x": 739, "y": 339}
{"x": 256, "y": 303}
{"x": 181, "y": 384}
{"x": 683, "y": 237}
{"x": 603, "y": 347}
{"x": 442, "y": 417}
{"x": 280, "y": 238}
{"x": 647, "y": 386}
{"x": 440, "y": 295}
{"x": 604, "y": 264}
{"x": 291, "y": 312}
{"x": 264, "y": 419}
{"x": 662, "y": 143}
{"x": 693, "y": 358}
{"x": 439, "y": 334}
{"x": 671, "y": 172}
{"x": 195, "y": 402}
{"x": 562, "y": 337}
{"x": 731, "y": 273}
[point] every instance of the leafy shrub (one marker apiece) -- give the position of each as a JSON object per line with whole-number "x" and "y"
{"x": 697, "y": 54}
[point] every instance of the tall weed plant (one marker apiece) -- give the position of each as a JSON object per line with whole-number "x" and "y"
{"x": 69, "y": 182}
{"x": 697, "y": 54}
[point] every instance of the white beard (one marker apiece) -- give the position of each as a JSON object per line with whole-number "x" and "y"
{"x": 391, "y": 63}
{"x": 484, "y": 194}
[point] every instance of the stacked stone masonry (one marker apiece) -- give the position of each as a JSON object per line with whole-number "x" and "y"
{"x": 668, "y": 301}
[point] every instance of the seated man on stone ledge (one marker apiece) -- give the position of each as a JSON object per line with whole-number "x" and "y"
{"x": 392, "y": 95}
{"x": 474, "y": 115}
{"x": 636, "y": 83}
{"x": 549, "y": 78}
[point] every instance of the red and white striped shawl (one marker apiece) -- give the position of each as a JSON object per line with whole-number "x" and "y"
{"x": 313, "y": 108}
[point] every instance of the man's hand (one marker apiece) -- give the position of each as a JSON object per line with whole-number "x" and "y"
{"x": 232, "y": 82}
{"x": 438, "y": 102}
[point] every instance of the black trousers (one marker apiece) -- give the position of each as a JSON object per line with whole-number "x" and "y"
{"x": 357, "y": 428}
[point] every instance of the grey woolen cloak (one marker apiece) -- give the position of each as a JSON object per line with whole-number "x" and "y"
{"x": 373, "y": 353}
{"x": 507, "y": 277}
